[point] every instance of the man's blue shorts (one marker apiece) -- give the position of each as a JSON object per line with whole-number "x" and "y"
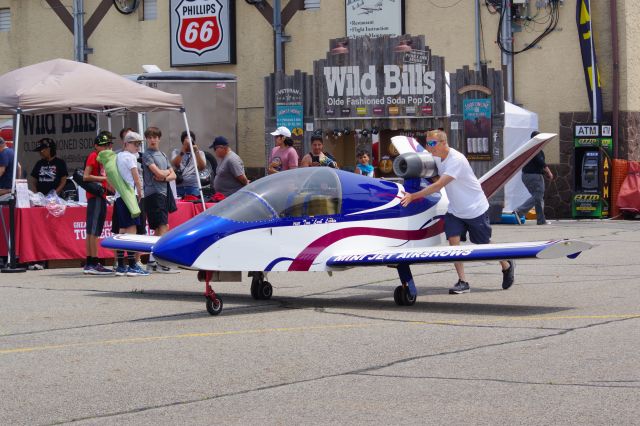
{"x": 478, "y": 228}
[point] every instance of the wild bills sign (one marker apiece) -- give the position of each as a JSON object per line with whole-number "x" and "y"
{"x": 202, "y": 32}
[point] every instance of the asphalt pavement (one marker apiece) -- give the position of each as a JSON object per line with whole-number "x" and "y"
{"x": 560, "y": 347}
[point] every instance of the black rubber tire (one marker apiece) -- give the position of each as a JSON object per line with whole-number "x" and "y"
{"x": 214, "y": 306}
{"x": 255, "y": 288}
{"x": 407, "y": 299}
{"x": 266, "y": 291}
{"x": 397, "y": 296}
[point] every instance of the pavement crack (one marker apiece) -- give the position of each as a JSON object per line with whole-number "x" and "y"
{"x": 359, "y": 372}
{"x": 504, "y": 381}
{"x": 490, "y": 345}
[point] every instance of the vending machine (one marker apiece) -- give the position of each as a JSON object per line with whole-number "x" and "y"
{"x": 593, "y": 148}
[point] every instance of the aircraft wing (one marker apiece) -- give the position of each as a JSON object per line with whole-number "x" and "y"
{"x": 465, "y": 253}
{"x": 130, "y": 242}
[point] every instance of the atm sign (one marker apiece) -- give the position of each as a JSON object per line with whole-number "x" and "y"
{"x": 587, "y": 131}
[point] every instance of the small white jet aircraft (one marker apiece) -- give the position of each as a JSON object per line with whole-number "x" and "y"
{"x": 370, "y": 9}
{"x": 323, "y": 219}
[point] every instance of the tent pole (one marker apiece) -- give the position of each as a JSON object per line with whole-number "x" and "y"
{"x": 11, "y": 249}
{"x": 16, "y": 139}
{"x": 193, "y": 156}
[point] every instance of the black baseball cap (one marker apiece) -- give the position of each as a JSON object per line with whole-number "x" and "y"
{"x": 44, "y": 143}
{"x": 219, "y": 141}
{"x": 103, "y": 138}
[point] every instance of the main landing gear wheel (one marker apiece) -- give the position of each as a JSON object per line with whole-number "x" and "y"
{"x": 260, "y": 289}
{"x": 402, "y": 297}
{"x": 214, "y": 306}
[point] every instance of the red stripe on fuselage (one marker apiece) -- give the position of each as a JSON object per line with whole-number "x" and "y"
{"x": 305, "y": 258}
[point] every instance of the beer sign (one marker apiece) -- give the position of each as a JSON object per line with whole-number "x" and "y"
{"x": 202, "y": 32}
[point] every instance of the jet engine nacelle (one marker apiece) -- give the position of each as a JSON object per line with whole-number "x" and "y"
{"x": 415, "y": 165}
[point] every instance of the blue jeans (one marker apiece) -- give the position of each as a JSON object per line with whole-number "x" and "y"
{"x": 535, "y": 185}
{"x": 187, "y": 190}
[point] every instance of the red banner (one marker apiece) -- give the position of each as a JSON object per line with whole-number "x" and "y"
{"x": 41, "y": 236}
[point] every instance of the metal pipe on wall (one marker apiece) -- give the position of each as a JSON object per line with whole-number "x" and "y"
{"x": 507, "y": 41}
{"x": 478, "y": 35}
{"x": 78, "y": 30}
{"x": 615, "y": 58}
{"x": 277, "y": 27}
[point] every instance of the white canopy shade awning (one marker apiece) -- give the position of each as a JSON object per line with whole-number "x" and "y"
{"x": 61, "y": 85}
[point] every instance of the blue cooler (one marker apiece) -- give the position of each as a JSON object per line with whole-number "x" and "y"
{"x": 510, "y": 219}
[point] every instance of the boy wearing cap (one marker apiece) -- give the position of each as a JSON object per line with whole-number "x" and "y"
{"x": 157, "y": 172}
{"x": 230, "y": 175}
{"x": 283, "y": 155}
{"x": 141, "y": 229}
{"x": 50, "y": 172}
{"x": 6, "y": 168}
{"x": 127, "y": 163}
{"x": 96, "y": 205}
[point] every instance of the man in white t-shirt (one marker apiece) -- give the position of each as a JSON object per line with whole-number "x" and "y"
{"x": 468, "y": 206}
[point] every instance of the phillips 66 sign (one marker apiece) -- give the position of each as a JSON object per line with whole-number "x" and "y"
{"x": 202, "y": 32}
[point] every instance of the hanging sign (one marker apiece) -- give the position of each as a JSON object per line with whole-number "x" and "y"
{"x": 476, "y": 114}
{"x": 202, "y": 32}
{"x": 374, "y": 18}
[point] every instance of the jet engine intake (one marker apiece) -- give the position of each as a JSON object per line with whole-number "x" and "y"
{"x": 415, "y": 165}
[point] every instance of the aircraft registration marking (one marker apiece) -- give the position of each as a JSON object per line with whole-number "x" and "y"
{"x": 313, "y": 221}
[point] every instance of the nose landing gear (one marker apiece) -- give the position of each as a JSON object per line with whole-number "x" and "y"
{"x": 213, "y": 301}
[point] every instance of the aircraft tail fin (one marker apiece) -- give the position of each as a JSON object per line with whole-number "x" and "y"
{"x": 498, "y": 176}
{"x": 404, "y": 144}
{"x": 130, "y": 242}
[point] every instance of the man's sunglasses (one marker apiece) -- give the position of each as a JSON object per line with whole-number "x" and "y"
{"x": 432, "y": 143}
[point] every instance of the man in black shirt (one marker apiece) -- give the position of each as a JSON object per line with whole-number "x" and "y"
{"x": 534, "y": 182}
{"x": 50, "y": 172}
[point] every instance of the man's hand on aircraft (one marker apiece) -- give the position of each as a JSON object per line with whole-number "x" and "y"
{"x": 408, "y": 197}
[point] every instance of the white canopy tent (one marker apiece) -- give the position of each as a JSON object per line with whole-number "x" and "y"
{"x": 62, "y": 85}
{"x": 518, "y": 125}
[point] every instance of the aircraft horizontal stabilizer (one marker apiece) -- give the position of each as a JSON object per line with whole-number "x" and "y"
{"x": 465, "y": 253}
{"x": 131, "y": 242}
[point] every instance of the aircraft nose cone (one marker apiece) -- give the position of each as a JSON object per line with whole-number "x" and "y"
{"x": 182, "y": 245}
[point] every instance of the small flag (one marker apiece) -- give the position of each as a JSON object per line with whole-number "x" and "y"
{"x": 589, "y": 63}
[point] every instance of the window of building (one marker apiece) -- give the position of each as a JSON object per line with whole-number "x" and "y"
{"x": 150, "y": 10}
{"x": 5, "y": 20}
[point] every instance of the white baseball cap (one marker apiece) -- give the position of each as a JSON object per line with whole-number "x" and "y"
{"x": 132, "y": 137}
{"x": 282, "y": 131}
